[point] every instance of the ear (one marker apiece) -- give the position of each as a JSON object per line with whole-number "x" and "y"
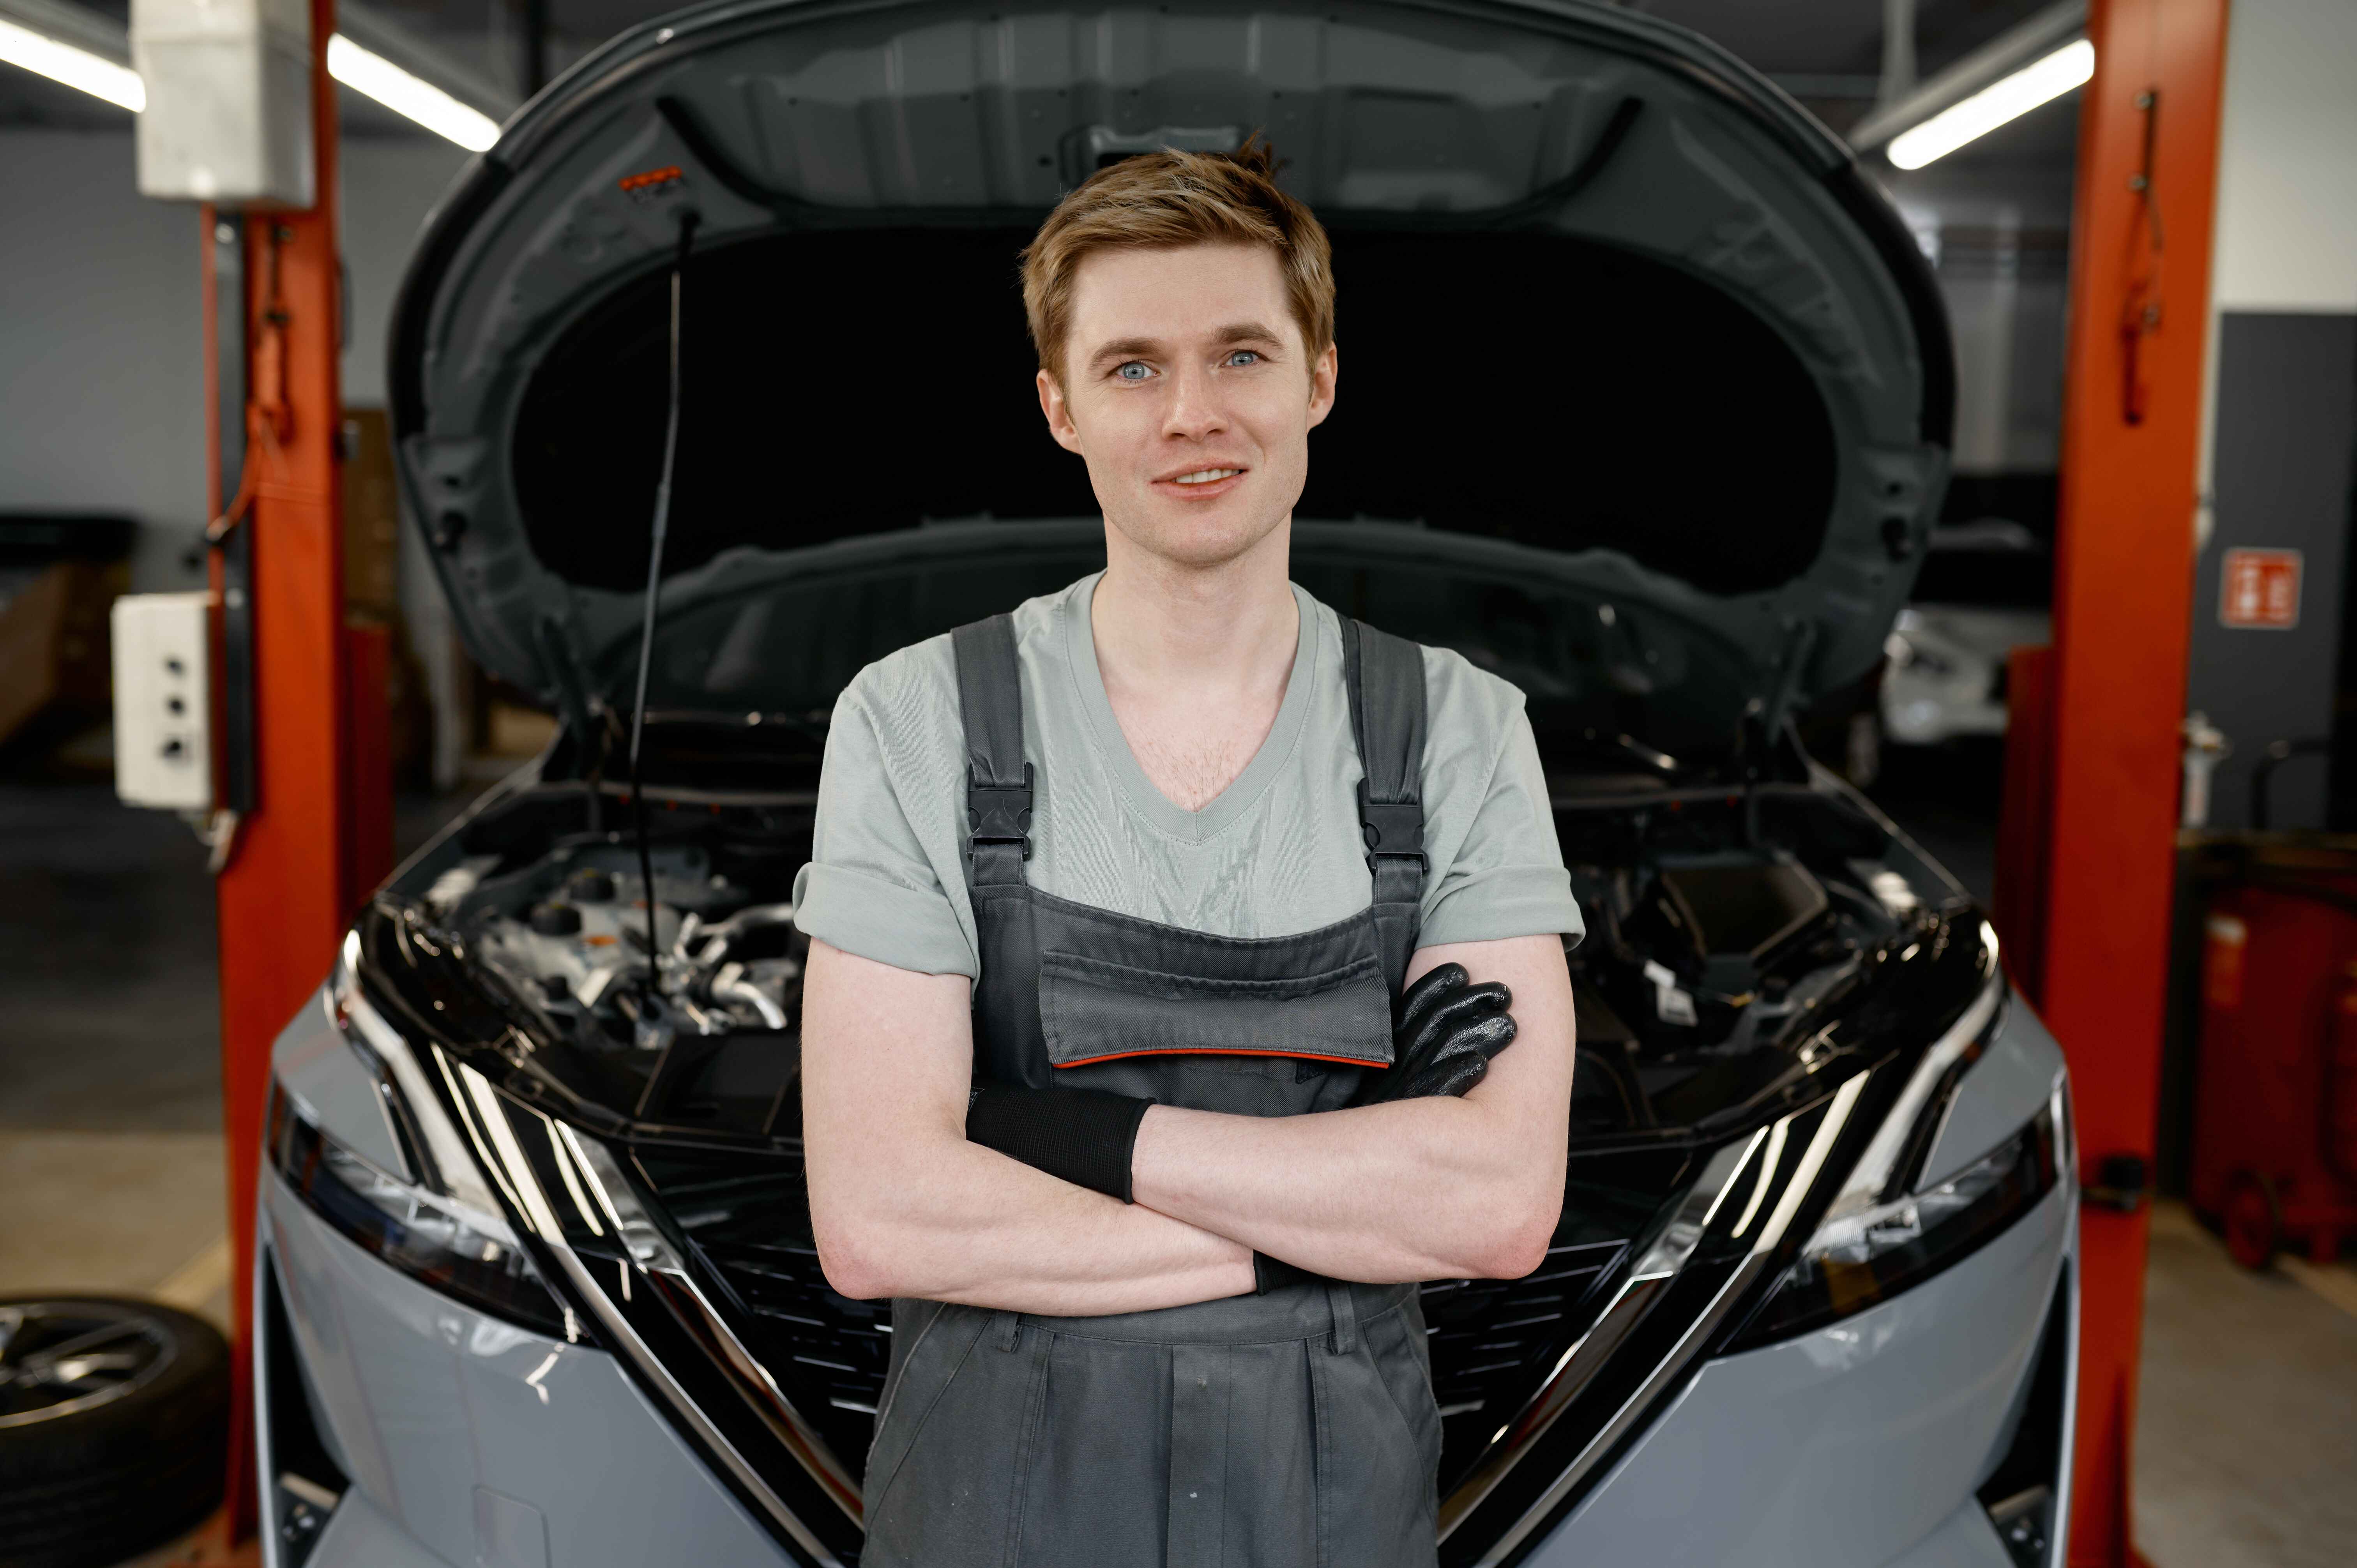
{"x": 1058, "y": 414}
{"x": 1322, "y": 376}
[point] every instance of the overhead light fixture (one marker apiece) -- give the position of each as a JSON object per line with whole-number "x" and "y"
{"x": 93, "y": 74}
{"x": 374, "y": 76}
{"x": 2041, "y": 81}
{"x": 362, "y": 70}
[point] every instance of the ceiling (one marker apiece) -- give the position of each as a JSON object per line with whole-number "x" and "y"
{"x": 1827, "y": 53}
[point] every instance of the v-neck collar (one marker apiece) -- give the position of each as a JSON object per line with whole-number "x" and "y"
{"x": 1277, "y": 748}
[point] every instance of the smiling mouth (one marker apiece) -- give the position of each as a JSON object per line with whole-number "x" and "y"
{"x": 1206, "y": 476}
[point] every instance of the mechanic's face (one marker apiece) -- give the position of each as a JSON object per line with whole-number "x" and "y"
{"x": 1189, "y": 393}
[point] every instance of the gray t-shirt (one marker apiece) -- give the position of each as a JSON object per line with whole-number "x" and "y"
{"x": 1277, "y": 852}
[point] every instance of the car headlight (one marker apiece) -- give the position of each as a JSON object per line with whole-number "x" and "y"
{"x": 1885, "y": 1230}
{"x": 357, "y": 1132}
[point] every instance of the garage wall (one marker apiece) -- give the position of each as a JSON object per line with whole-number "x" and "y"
{"x": 2280, "y": 461}
{"x": 390, "y": 187}
{"x": 2286, "y": 222}
{"x": 101, "y": 341}
{"x": 101, "y": 345}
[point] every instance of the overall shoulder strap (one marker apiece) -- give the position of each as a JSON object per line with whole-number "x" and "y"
{"x": 1385, "y": 677}
{"x": 997, "y": 779}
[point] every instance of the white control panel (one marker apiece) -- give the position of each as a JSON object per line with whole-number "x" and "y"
{"x": 227, "y": 84}
{"x": 163, "y": 701}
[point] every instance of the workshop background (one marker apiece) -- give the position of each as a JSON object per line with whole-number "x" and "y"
{"x": 2245, "y": 1398}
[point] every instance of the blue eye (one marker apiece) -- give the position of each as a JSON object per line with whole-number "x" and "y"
{"x": 1245, "y": 356}
{"x": 1134, "y": 370}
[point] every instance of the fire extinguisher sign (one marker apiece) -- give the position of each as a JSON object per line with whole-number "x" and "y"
{"x": 2258, "y": 590}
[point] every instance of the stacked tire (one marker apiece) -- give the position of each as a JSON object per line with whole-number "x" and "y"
{"x": 113, "y": 1428}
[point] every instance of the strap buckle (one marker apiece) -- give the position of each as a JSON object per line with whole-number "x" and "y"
{"x": 1394, "y": 830}
{"x": 999, "y": 813}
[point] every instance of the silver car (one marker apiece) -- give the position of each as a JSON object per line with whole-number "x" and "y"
{"x": 1648, "y": 411}
{"x": 1983, "y": 594}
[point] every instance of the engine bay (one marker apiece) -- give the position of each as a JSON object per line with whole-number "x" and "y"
{"x": 1724, "y": 931}
{"x": 1722, "y": 935}
{"x": 570, "y": 931}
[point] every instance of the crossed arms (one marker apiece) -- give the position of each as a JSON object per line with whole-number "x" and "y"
{"x": 1416, "y": 1189}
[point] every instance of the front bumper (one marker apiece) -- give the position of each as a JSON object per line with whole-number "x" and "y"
{"x": 1860, "y": 1446}
{"x": 467, "y": 1441}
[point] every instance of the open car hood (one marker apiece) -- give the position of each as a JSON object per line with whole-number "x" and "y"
{"x": 1605, "y": 293}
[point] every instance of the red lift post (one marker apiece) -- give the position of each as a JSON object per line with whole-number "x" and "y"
{"x": 2088, "y": 842}
{"x": 318, "y": 836}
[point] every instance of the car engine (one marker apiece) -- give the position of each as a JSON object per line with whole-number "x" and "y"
{"x": 1721, "y": 933}
{"x": 568, "y": 934}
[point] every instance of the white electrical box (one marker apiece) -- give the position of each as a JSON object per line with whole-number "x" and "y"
{"x": 228, "y": 101}
{"x": 163, "y": 701}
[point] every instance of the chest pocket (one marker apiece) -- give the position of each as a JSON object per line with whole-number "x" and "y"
{"x": 1214, "y": 1043}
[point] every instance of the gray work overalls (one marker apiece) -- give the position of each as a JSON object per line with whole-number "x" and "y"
{"x": 1291, "y": 1430}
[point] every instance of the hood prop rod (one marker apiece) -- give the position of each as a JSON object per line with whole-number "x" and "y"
{"x": 1764, "y": 719}
{"x": 687, "y": 222}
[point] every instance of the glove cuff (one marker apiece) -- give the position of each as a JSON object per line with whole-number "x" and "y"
{"x": 1081, "y": 1136}
{"x": 1274, "y": 1273}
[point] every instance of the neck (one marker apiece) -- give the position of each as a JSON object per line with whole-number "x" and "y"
{"x": 1161, "y": 625}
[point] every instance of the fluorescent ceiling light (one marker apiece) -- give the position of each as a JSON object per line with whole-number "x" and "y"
{"x": 2040, "y": 82}
{"x": 94, "y": 74}
{"x": 377, "y": 77}
{"x": 358, "y": 68}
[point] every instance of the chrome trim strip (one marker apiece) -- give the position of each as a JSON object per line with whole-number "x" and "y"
{"x": 494, "y": 1150}
{"x": 257, "y": 1350}
{"x": 1923, "y": 1107}
{"x": 1632, "y": 1305}
{"x": 1660, "y": 1264}
{"x": 1634, "y": 1408}
{"x": 1804, "y": 1175}
{"x": 453, "y": 1168}
{"x": 666, "y": 1270}
{"x": 2066, "y": 1153}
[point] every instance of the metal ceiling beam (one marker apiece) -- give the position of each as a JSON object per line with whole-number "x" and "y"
{"x": 1992, "y": 62}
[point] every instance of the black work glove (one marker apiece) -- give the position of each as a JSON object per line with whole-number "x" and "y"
{"x": 1448, "y": 1033}
{"x": 1081, "y": 1136}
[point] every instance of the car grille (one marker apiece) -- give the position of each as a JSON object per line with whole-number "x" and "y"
{"x": 749, "y": 1224}
{"x": 1493, "y": 1341}
{"x": 826, "y": 1350}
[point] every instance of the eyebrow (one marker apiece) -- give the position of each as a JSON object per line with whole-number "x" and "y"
{"x": 1136, "y": 347}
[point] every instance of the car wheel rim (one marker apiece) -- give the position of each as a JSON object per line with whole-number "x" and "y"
{"x": 61, "y": 1357}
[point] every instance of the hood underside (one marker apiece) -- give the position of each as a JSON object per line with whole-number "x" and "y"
{"x": 1603, "y": 292}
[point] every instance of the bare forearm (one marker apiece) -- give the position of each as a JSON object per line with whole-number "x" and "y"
{"x": 1414, "y": 1190}
{"x": 1410, "y": 1189}
{"x": 954, "y": 1221}
{"x": 902, "y": 1205}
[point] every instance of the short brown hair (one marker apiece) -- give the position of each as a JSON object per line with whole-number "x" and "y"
{"x": 1166, "y": 200}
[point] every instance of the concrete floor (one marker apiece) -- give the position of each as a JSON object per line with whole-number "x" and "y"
{"x": 110, "y": 1160}
{"x": 2247, "y": 1420}
{"x": 110, "y": 1053}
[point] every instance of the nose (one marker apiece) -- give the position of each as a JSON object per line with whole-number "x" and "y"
{"x": 1194, "y": 412}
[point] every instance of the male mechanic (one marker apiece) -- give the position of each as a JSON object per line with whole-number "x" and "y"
{"x": 1187, "y": 978}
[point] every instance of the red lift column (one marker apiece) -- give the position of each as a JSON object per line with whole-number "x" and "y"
{"x": 286, "y": 892}
{"x": 2124, "y": 568}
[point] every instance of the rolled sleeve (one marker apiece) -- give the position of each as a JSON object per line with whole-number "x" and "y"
{"x": 881, "y": 920}
{"x": 1511, "y": 901}
{"x": 871, "y": 887}
{"x": 1507, "y": 878}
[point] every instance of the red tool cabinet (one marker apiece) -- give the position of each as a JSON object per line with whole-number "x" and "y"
{"x": 2275, "y": 1117}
